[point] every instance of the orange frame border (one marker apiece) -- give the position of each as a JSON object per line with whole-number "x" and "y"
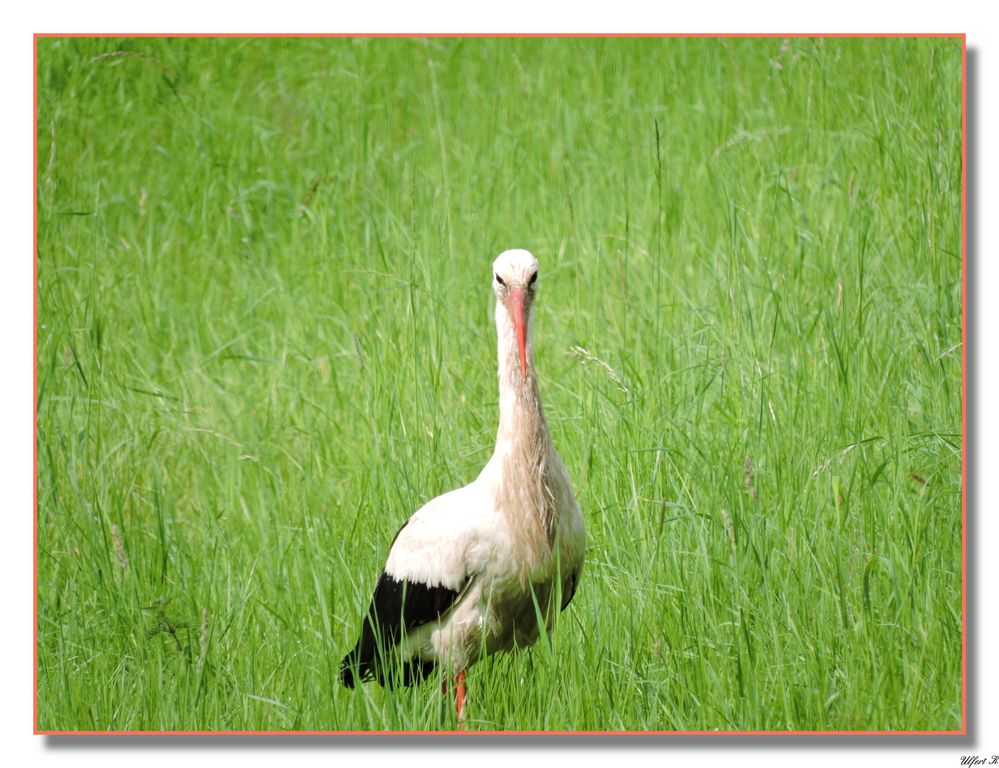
{"x": 471, "y": 734}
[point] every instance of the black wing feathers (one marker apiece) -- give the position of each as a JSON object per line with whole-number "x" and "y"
{"x": 571, "y": 591}
{"x": 397, "y": 606}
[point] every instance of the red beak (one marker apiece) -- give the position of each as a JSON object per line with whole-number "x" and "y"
{"x": 520, "y": 326}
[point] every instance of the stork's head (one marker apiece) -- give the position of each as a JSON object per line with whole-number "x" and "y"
{"x": 515, "y": 276}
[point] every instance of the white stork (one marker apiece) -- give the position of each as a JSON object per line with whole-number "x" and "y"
{"x": 467, "y": 574}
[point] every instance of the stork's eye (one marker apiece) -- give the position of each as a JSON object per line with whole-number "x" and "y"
{"x": 533, "y": 278}
{"x": 499, "y": 279}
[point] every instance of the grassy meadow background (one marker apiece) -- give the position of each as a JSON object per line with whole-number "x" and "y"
{"x": 265, "y": 338}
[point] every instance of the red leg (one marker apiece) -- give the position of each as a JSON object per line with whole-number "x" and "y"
{"x": 459, "y": 693}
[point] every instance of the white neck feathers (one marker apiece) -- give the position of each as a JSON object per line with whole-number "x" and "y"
{"x": 521, "y": 415}
{"x": 523, "y": 444}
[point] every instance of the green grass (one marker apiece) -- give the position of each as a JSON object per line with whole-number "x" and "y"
{"x": 265, "y": 339}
